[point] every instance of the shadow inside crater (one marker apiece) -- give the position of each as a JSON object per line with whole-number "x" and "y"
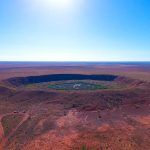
{"x": 17, "y": 81}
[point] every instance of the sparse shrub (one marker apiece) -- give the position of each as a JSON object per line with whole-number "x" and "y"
{"x": 84, "y": 147}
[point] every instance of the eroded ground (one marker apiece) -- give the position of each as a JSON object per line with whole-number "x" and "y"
{"x": 112, "y": 119}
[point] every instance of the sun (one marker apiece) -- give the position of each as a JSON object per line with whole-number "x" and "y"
{"x": 60, "y": 5}
{"x": 63, "y": 11}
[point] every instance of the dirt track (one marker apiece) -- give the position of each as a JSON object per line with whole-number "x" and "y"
{"x": 4, "y": 139}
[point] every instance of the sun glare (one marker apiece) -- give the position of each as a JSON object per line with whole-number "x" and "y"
{"x": 59, "y": 5}
{"x": 62, "y": 12}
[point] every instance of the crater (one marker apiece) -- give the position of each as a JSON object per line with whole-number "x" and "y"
{"x": 63, "y": 82}
{"x": 18, "y": 81}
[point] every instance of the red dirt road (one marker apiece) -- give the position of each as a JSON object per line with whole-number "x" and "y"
{"x": 3, "y": 139}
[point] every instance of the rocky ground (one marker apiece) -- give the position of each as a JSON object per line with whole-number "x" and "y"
{"x": 113, "y": 119}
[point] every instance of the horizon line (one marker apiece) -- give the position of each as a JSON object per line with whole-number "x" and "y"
{"x": 75, "y": 61}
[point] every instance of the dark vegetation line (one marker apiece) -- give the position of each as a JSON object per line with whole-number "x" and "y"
{"x": 58, "y": 77}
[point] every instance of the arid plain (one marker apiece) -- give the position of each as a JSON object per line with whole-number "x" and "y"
{"x": 74, "y": 106}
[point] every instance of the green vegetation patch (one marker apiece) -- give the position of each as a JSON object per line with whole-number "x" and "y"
{"x": 77, "y": 86}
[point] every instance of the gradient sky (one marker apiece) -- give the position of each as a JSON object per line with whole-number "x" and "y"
{"x": 75, "y": 30}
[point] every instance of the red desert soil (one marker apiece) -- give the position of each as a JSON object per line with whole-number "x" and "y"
{"x": 4, "y": 139}
{"x": 114, "y": 119}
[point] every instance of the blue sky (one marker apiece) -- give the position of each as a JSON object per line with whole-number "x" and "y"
{"x": 75, "y": 30}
